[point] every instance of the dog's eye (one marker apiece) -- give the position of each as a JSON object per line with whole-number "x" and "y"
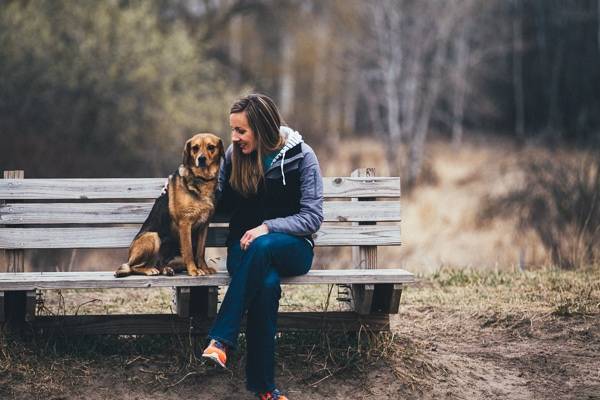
{"x": 210, "y": 147}
{"x": 195, "y": 148}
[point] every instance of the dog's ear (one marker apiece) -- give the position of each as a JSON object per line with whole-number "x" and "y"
{"x": 221, "y": 149}
{"x": 187, "y": 158}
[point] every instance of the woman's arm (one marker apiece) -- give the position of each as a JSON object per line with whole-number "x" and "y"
{"x": 308, "y": 220}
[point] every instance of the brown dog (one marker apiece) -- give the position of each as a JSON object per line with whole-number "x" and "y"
{"x": 179, "y": 219}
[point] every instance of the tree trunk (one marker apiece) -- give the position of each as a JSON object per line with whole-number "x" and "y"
{"x": 517, "y": 52}
{"x": 554, "y": 116}
{"x": 458, "y": 106}
{"x": 319, "y": 108}
{"x": 236, "y": 36}
{"x": 417, "y": 145}
{"x": 287, "y": 81}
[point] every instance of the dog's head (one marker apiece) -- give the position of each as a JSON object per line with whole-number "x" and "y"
{"x": 203, "y": 152}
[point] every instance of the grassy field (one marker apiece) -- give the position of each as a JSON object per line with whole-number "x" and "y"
{"x": 460, "y": 334}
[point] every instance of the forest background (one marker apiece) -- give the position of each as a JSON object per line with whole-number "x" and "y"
{"x": 489, "y": 111}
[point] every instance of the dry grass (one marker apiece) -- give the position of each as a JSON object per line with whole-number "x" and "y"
{"x": 541, "y": 293}
{"x": 313, "y": 360}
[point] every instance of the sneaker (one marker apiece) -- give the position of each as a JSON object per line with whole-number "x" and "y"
{"x": 273, "y": 395}
{"x": 216, "y": 351}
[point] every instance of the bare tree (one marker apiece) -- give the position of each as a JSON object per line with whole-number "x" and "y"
{"x": 405, "y": 64}
{"x": 517, "y": 53}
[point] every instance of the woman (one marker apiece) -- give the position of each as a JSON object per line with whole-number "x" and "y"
{"x": 271, "y": 183}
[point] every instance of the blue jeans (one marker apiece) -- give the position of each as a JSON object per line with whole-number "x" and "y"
{"x": 255, "y": 288}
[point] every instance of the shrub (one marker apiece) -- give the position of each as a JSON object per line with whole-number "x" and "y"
{"x": 560, "y": 201}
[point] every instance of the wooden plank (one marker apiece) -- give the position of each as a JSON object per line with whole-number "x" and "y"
{"x": 150, "y": 188}
{"x": 121, "y": 237}
{"x": 105, "y": 280}
{"x": 15, "y": 258}
{"x": 131, "y": 213}
{"x": 363, "y": 257}
{"x": 148, "y": 324}
{"x": 74, "y": 213}
{"x": 82, "y": 189}
{"x": 85, "y": 238}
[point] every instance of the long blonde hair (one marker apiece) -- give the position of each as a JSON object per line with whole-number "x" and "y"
{"x": 264, "y": 119}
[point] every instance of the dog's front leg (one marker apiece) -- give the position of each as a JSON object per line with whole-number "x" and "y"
{"x": 200, "y": 251}
{"x": 185, "y": 240}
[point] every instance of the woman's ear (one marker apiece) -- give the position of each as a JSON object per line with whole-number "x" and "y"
{"x": 186, "y": 153}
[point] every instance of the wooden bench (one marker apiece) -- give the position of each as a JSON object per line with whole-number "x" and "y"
{"x": 362, "y": 211}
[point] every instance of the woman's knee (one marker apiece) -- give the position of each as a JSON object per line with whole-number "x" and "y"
{"x": 262, "y": 244}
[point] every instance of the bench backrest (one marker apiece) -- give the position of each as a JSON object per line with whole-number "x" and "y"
{"x": 107, "y": 213}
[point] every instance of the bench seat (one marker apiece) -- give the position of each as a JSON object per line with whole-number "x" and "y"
{"x": 106, "y": 280}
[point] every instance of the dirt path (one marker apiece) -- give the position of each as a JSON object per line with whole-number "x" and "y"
{"x": 444, "y": 355}
{"x": 476, "y": 357}
{"x": 459, "y": 335}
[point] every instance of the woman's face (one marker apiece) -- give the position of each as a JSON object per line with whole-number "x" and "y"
{"x": 241, "y": 134}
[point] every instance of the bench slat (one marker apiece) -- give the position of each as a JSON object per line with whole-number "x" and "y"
{"x": 168, "y": 324}
{"x": 106, "y": 280}
{"x": 150, "y": 188}
{"x": 127, "y": 213}
{"x": 119, "y": 237}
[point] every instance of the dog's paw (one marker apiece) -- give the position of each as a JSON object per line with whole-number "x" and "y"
{"x": 122, "y": 271}
{"x": 193, "y": 272}
{"x": 168, "y": 271}
{"x": 210, "y": 271}
{"x": 152, "y": 271}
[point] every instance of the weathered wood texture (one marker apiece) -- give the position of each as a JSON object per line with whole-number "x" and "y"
{"x": 136, "y": 213}
{"x": 105, "y": 279}
{"x": 363, "y": 257}
{"x": 150, "y": 188}
{"x": 170, "y": 323}
{"x": 107, "y": 213}
{"x": 15, "y": 257}
{"x": 362, "y": 298}
{"x": 121, "y": 237}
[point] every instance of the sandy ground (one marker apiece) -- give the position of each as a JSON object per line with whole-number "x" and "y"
{"x": 438, "y": 351}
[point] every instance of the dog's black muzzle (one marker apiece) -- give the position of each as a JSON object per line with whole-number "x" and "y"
{"x": 201, "y": 162}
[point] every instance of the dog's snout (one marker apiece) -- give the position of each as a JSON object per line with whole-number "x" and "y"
{"x": 201, "y": 161}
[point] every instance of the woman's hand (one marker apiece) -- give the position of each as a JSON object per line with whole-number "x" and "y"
{"x": 252, "y": 234}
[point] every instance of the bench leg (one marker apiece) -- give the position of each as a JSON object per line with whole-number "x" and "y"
{"x": 197, "y": 301}
{"x": 18, "y": 308}
{"x": 362, "y": 298}
{"x": 182, "y": 301}
{"x": 376, "y": 298}
{"x": 386, "y": 298}
{"x": 2, "y": 313}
